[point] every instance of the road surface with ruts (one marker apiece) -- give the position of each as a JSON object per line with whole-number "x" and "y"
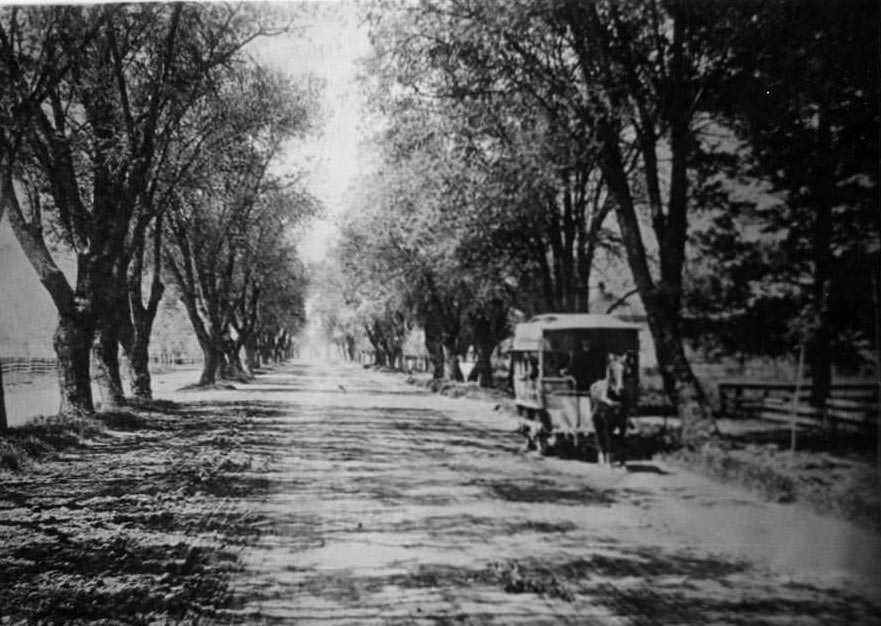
{"x": 359, "y": 499}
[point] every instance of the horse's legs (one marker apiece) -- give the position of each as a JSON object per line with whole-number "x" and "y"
{"x": 617, "y": 418}
{"x": 619, "y": 436}
{"x": 601, "y": 427}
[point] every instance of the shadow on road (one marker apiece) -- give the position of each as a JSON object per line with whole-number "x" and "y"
{"x": 255, "y": 511}
{"x": 646, "y": 468}
{"x": 644, "y": 586}
{"x": 142, "y": 523}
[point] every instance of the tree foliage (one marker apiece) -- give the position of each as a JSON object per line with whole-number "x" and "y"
{"x": 227, "y": 249}
{"x": 562, "y": 113}
{"x": 98, "y": 108}
{"x": 804, "y": 99}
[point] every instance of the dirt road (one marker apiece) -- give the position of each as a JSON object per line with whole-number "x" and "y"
{"x": 390, "y": 505}
{"x": 332, "y": 495}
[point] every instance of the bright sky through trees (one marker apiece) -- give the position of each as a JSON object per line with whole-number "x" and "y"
{"x": 326, "y": 41}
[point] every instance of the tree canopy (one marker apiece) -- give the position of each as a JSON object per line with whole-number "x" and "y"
{"x": 733, "y": 144}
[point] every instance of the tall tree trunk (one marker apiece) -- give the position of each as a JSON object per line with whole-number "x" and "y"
{"x": 821, "y": 342}
{"x": 451, "y": 359}
{"x": 212, "y": 359}
{"x": 105, "y": 346}
{"x": 137, "y": 355}
{"x": 105, "y": 349}
{"x": 72, "y": 342}
{"x": 138, "y": 358}
{"x": 4, "y": 423}
{"x": 600, "y": 210}
{"x": 661, "y": 303}
{"x": 235, "y": 369}
{"x": 484, "y": 342}
{"x": 140, "y": 317}
{"x": 662, "y": 300}
{"x": 252, "y": 358}
{"x": 280, "y": 348}
{"x": 484, "y": 365}
{"x": 821, "y": 363}
{"x": 265, "y": 349}
{"x": 435, "y": 348}
{"x": 373, "y": 334}
{"x": 76, "y": 323}
{"x": 398, "y": 359}
{"x": 231, "y": 368}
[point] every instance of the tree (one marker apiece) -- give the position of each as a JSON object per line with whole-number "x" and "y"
{"x": 803, "y": 97}
{"x": 33, "y": 35}
{"x": 38, "y": 51}
{"x": 534, "y": 193}
{"x": 4, "y": 424}
{"x": 629, "y": 77}
{"x": 229, "y": 209}
{"x": 95, "y": 140}
{"x": 270, "y": 284}
{"x": 647, "y": 66}
{"x": 467, "y": 213}
{"x": 333, "y": 305}
{"x": 375, "y": 294}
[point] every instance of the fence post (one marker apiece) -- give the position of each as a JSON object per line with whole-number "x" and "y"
{"x": 876, "y": 296}
{"x": 794, "y": 420}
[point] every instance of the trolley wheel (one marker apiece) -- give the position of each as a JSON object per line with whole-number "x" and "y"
{"x": 587, "y": 449}
{"x": 543, "y": 448}
{"x": 570, "y": 445}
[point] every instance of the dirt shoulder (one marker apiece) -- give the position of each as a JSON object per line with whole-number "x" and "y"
{"x": 712, "y": 511}
{"x": 135, "y": 517}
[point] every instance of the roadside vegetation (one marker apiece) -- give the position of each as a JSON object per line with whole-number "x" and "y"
{"x": 834, "y": 478}
{"x": 710, "y": 168}
{"x": 140, "y": 141}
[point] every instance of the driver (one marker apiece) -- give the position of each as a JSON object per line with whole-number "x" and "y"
{"x": 586, "y": 365}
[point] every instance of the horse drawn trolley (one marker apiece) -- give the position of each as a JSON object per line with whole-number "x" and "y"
{"x": 556, "y": 359}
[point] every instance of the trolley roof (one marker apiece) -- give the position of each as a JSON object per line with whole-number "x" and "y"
{"x": 528, "y": 335}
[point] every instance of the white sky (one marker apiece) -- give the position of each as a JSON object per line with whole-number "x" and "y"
{"x": 331, "y": 42}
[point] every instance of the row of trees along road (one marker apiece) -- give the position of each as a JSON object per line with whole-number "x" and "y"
{"x": 727, "y": 152}
{"x": 119, "y": 125}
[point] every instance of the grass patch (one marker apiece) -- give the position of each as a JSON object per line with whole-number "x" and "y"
{"x": 855, "y": 496}
{"x": 749, "y": 471}
{"x": 845, "y": 488}
{"x": 21, "y": 446}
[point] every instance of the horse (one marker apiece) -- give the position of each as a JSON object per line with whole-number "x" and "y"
{"x": 607, "y": 397}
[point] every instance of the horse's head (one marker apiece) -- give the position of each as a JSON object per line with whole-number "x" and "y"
{"x": 615, "y": 371}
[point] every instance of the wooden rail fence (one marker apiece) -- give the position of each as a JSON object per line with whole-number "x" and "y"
{"x": 16, "y": 368}
{"x": 851, "y": 405}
